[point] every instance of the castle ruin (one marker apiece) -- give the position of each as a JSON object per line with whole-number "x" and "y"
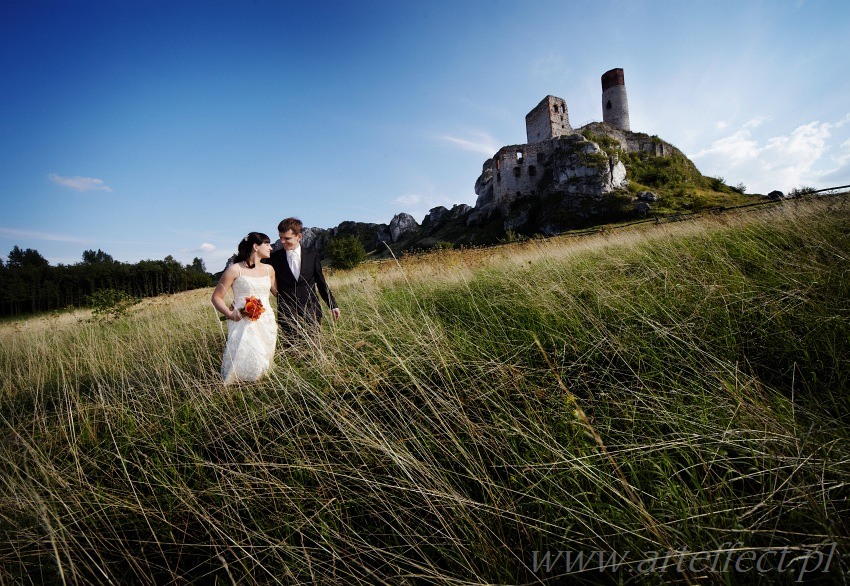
{"x": 615, "y": 103}
{"x": 516, "y": 171}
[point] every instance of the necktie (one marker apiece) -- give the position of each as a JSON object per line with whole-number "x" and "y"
{"x": 293, "y": 265}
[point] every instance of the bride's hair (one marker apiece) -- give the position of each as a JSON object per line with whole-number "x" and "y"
{"x": 246, "y": 245}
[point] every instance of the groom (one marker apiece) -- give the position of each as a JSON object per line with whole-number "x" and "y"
{"x": 298, "y": 273}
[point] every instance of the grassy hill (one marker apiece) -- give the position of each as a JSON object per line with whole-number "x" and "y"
{"x": 672, "y": 395}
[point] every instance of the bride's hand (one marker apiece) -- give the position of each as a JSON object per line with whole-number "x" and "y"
{"x": 234, "y": 315}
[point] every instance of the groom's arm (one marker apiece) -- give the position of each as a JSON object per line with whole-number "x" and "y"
{"x": 324, "y": 290}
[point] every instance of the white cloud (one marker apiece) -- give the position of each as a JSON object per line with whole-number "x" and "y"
{"x": 738, "y": 145}
{"x": 721, "y": 125}
{"x": 410, "y": 199}
{"x": 79, "y": 183}
{"x": 844, "y": 157}
{"x": 781, "y": 162}
{"x": 756, "y": 122}
{"x": 805, "y": 145}
{"x": 481, "y": 142}
{"x": 206, "y": 247}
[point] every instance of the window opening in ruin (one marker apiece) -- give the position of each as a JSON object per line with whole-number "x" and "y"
{"x": 517, "y": 171}
{"x": 519, "y": 157}
{"x": 532, "y": 170}
{"x": 608, "y": 105}
{"x": 555, "y": 108}
{"x": 498, "y": 177}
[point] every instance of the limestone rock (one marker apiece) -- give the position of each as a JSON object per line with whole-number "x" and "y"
{"x": 400, "y": 225}
{"x": 642, "y": 207}
{"x": 459, "y": 210}
{"x": 436, "y": 216}
{"x": 310, "y": 237}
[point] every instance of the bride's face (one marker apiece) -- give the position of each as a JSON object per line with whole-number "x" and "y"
{"x": 264, "y": 250}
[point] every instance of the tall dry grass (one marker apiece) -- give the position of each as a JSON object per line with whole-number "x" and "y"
{"x": 680, "y": 388}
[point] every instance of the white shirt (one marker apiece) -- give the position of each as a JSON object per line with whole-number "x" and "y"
{"x": 293, "y": 257}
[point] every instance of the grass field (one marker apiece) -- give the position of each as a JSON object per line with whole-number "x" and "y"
{"x": 673, "y": 398}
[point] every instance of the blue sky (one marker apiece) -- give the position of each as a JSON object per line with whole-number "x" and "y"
{"x": 148, "y": 128}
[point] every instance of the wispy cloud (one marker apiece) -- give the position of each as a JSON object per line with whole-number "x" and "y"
{"x": 781, "y": 162}
{"x": 479, "y": 142}
{"x": 548, "y": 66}
{"x": 738, "y": 146}
{"x": 409, "y": 199}
{"x": 844, "y": 156}
{"x": 78, "y": 183}
{"x": 756, "y": 122}
{"x": 33, "y": 235}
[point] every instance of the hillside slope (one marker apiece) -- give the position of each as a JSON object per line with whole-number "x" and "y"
{"x": 671, "y": 392}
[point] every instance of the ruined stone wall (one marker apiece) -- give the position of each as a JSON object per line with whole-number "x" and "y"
{"x": 548, "y": 119}
{"x": 517, "y": 170}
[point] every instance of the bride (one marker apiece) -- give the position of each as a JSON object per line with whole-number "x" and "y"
{"x": 251, "y": 325}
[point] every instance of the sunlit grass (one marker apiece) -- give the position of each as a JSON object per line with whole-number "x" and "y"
{"x": 677, "y": 387}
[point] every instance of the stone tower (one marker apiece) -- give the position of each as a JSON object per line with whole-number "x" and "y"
{"x": 549, "y": 119}
{"x": 615, "y": 103}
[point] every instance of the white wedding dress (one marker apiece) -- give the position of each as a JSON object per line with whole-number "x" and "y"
{"x": 250, "y": 344}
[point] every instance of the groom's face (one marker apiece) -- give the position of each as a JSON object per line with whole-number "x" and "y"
{"x": 290, "y": 240}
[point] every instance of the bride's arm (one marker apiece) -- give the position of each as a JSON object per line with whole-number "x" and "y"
{"x": 273, "y": 279}
{"x": 223, "y": 287}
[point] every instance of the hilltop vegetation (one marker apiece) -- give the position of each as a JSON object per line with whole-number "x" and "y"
{"x": 677, "y": 388}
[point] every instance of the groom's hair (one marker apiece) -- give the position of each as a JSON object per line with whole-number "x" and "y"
{"x": 293, "y": 224}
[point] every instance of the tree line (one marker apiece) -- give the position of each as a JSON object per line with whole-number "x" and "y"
{"x": 29, "y": 284}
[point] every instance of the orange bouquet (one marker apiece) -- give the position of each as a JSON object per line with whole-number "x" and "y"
{"x": 253, "y": 309}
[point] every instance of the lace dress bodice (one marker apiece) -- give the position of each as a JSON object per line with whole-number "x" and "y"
{"x": 247, "y": 286}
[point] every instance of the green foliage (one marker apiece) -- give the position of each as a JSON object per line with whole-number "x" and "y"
{"x": 512, "y": 236}
{"x": 31, "y": 285}
{"x": 92, "y": 257}
{"x": 110, "y": 303}
{"x": 717, "y": 183}
{"x": 345, "y": 252}
{"x": 28, "y": 258}
{"x": 605, "y": 142}
{"x": 197, "y": 265}
{"x": 654, "y": 171}
{"x": 801, "y": 191}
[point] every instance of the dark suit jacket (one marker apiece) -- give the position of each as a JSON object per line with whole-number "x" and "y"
{"x": 298, "y": 300}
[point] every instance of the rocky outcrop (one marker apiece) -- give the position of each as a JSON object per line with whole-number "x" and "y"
{"x": 400, "y": 225}
{"x": 571, "y": 167}
{"x": 631, "y": 142}
{"x": 314, "y": 237}
{"x": 439, "y": 216}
